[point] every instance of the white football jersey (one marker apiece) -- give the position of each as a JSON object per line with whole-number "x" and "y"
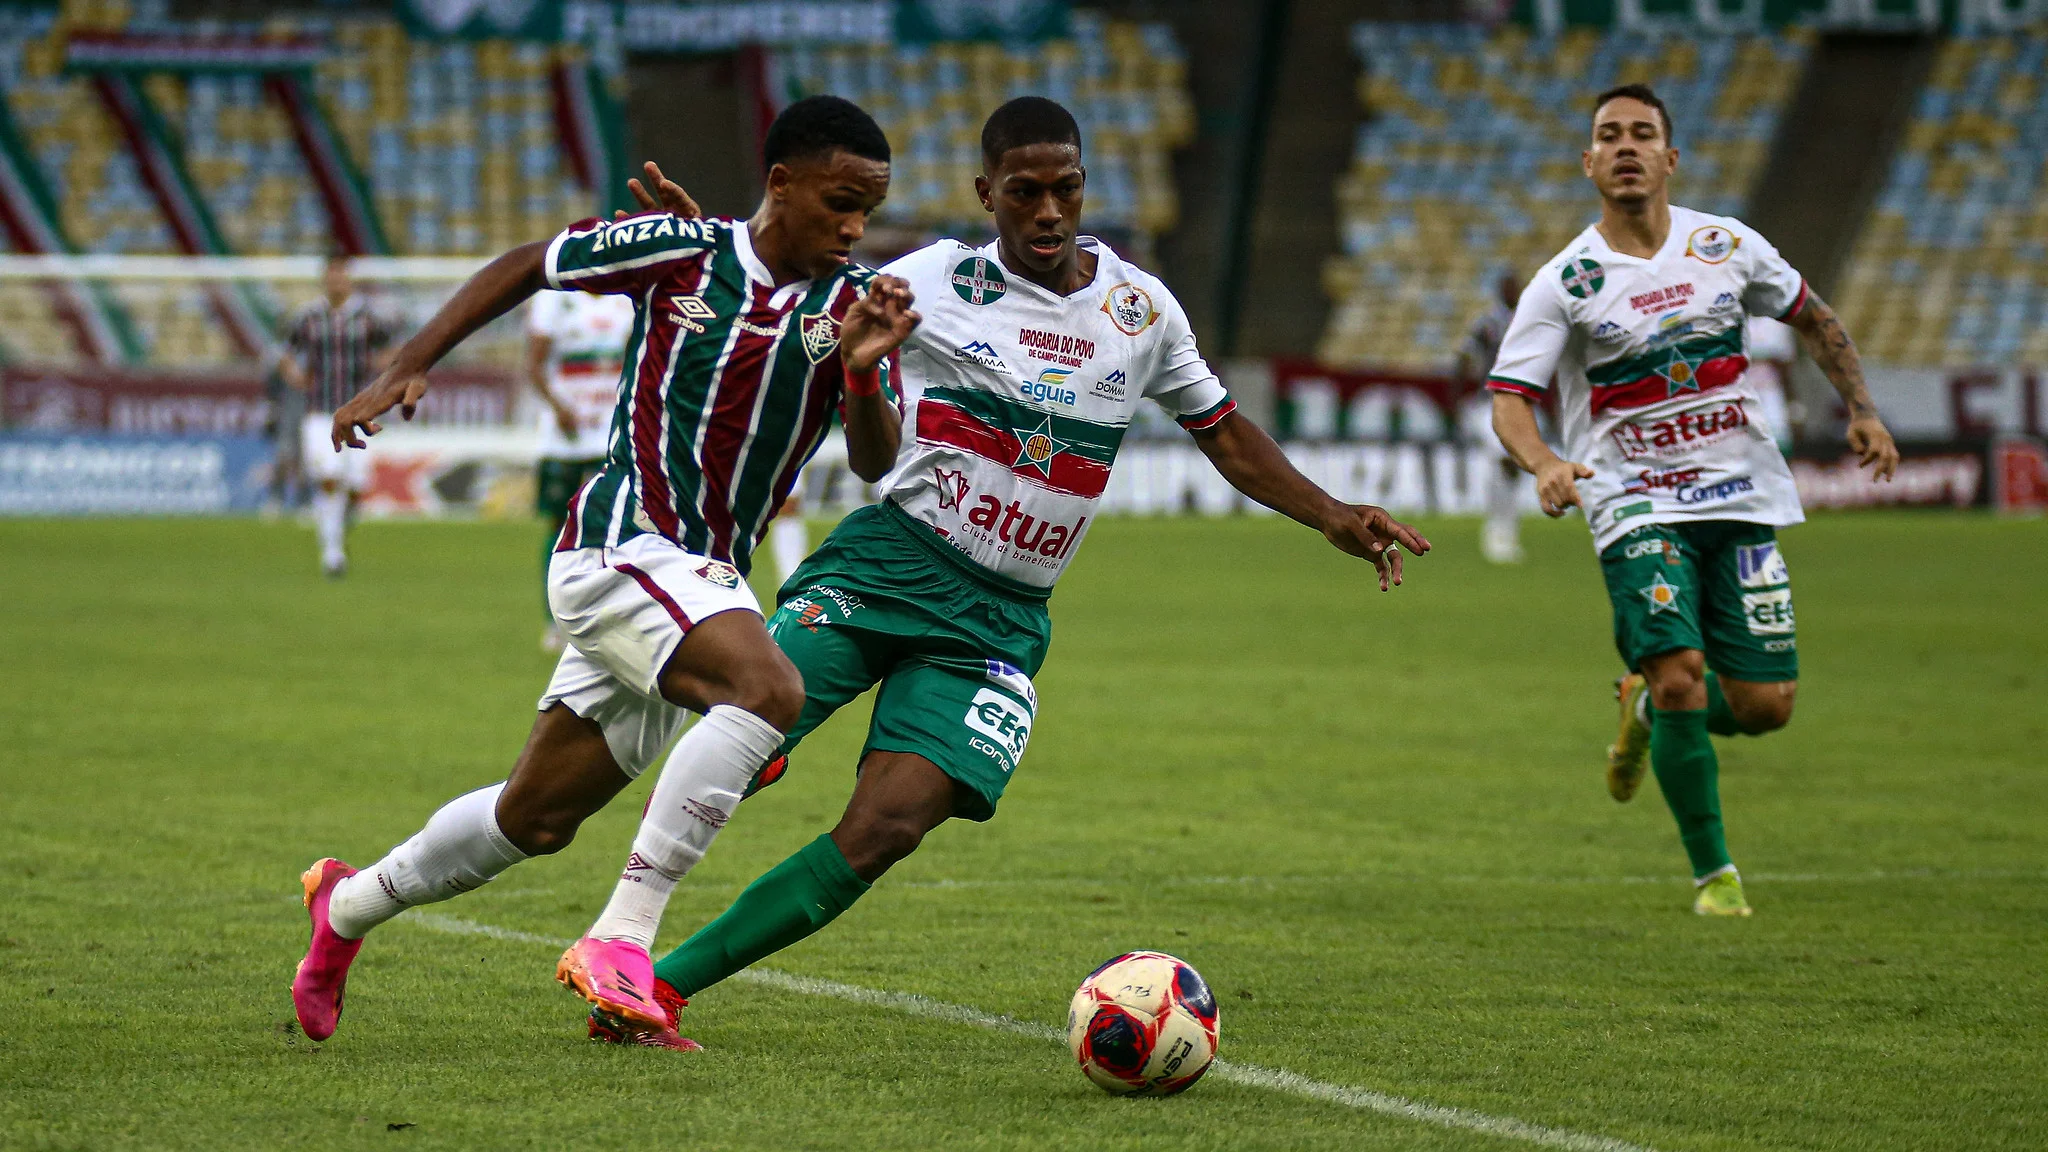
{"x": 1017, "y": 399}
{"x": 1650, "y": 357}
{"x": 589, "y": 336}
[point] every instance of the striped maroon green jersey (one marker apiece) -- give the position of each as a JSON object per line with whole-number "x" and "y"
{"x": 728, "y": 386}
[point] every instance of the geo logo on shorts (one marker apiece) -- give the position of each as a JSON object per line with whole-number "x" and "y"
{"x": 720, "y": 573}
{"x": 1768, "y": 613}
{"x": 1004, "y": 721}
{"x": 1760, "y": 565}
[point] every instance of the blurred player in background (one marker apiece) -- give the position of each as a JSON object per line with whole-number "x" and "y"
{"x": 575, "y": 351}
{"x": 750, "y": 334}
{"x": 1773, "y": 346}
{"x": 333, "y": 346}
{"x": 1500, "y": 539}
{"x": 1022, "y": 378}
{"x": 1642, "y": 320}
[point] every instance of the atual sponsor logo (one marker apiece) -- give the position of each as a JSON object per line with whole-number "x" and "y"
{"x": 1714, "y": 493}
{"x": 1761, "y": 565}
{"x": 1110, "y": 387}
{"x": 1050, "y": 387}
{"x": 1768, "y": 613}
{"x": 1020, "y": 534}
{"x": 952, "y": 487}
{"x": 1711, "y": 244}
{"x": 1129, "y": 307}
{"x": 981, "y": 353}
{"x": 1678, "y": 434}
{"x": 1057, "y": 347}
{"x": 1003, "y": 721}
{"x": 1661, "y": 299}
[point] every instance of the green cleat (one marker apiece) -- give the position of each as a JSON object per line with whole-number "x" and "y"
{"x": 1721, "y": 895}
{"x": 1630, "y": 752}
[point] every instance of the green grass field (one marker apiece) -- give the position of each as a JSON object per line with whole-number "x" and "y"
{"x": 1376, "y": 823}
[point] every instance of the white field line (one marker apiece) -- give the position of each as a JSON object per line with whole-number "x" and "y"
{"x": 1250, "y": 1075}
{"x": 1673, "y": 879}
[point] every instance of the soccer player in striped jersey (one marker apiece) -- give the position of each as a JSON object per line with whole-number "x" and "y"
{"x": 1032, "y": 356}
{"x": 747, "y": 335}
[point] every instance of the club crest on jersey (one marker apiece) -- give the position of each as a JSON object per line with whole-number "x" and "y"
{"x": 820, "y": 333}
{"x": 1680, "y": 375}
{"x": 1712, "y": 244}
{"x": 952, "y": 487}
{"x": 1129, "y": 307}
{"x": 978, "y": 280}
{"x": 1583, "y": 277}
{"x": 1037, "y": 448}
{"x": 720, "y": 573}
{"x": 1662, "y": 594}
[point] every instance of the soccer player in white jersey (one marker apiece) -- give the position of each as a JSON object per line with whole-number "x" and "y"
{"x": 575, "y": 350}
{"x": 1032, "y": 355}
{"x": 1500, "y": 539}
{"x": 1641, "y": 320}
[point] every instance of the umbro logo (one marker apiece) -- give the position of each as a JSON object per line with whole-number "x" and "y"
{"x": 715, "y": 817}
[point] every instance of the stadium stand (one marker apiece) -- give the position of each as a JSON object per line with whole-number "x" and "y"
{"x": 1951, "y": 268}
{"x": 1126, "y": 82}
{"x": 1468, "y": 164}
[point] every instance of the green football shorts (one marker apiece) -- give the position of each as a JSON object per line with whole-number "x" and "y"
{"x": 556, "y": 482}
{"x": 953, "y": 647}
{"x": 1716, "y": 585}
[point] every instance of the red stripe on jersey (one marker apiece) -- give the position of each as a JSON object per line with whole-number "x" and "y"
{"x": 1647, "y": 390}
{"x": 572, "y": 524}
{"x": 731, "y": 417}
{"x": 825, "y": 393}
{"x": 650, "y": 467}
{"x": 1203, "y": 421}
{"x": 1797, "y": 304}
{"x": 1513, "y": 387}
{"x": 941, "y": 423}
{"x": 662, "y": 598}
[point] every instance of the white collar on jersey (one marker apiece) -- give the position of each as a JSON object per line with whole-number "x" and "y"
{"x": 1678, "y": 234}
{"x": 1108, "y": 267}
{"x": 757, "y": 271}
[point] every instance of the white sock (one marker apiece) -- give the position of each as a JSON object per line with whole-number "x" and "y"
{"x": 791, "y": 542}
{"x": 1701, "y": 881}
{"x": 330, "y": 519}
{"x": 1503, "y": 518}
{"x": 459, "y": 850}
{"x": 1643, "y": 708}
{"x": 700, "y": 785}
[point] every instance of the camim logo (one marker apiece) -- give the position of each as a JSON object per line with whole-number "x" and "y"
{"x": 1036, "y": 447}
{"x": 978, "y": 280}
{"x": 1662, "y": 595}
{"x": 1583, "y": 277}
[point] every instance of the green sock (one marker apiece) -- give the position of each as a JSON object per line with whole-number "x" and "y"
{"x": 1689, "y": 774}
{"x": 1720, "y": 718}
{"x": 789, "y": 902}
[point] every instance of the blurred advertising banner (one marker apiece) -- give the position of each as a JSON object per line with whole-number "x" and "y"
{"x": 450, "y": 472}
{"x": 208, "y": 403}
{"x": 52, "y": 474}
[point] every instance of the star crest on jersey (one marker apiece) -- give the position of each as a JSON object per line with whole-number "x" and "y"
{"x": 1037, "y": 448}
{"x": 978, "y": 280}
{"x": 1680, "y": 375}
{"x": 821, "y": 335}
{"x": 1661, "y": 593}
{"x": 1583, "y": 277}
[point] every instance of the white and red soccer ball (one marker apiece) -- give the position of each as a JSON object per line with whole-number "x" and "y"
{"x": 1143, "y": 1024}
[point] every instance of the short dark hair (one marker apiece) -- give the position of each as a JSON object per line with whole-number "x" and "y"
{"x": 1643, "y": 92}
{"x": 817, "y": 125}
{"x": 1025, "y": 121}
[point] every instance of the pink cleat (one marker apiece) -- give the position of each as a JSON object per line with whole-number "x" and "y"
{"x": 615, "y": 975}
{"x": 612, "y": 1029}
{"x": 323, "y": 974}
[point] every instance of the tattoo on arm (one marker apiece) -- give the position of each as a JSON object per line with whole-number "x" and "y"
{"x": 1822, "y": 333}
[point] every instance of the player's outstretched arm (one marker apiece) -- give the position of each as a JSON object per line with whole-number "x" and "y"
{"x": 1825, "y": 338}
{"x": 876, "y": 325}
{"x": 492, "y": 292}
{"x": 1255, "y": 466}
{"x": 1557, "y": 479}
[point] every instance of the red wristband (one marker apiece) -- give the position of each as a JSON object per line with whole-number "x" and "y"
{"x": 866, "y": 383}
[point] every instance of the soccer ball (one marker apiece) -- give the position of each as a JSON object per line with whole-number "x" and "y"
{"x": 1143, "y": 1024}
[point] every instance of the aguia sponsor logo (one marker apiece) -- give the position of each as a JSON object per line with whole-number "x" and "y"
{"x": 1022, "y": 532}
{"x": 1681, "y": 432}
{"x": 1050, "y": 387}
{"x": 1661, "y": 299}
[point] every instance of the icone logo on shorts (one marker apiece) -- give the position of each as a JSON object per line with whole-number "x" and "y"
{"x": 1003, "y": 720}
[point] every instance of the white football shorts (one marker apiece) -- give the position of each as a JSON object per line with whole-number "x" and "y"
{"x": 350, "y": 466}
{"x": 623, "y": 611}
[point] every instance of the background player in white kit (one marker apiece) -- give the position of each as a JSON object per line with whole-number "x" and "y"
{"x": 1032, "y": 355}
{"x": 575, "y": 350}
{"x": 1500, "y": 537}
{"x": 1643, "y": 321}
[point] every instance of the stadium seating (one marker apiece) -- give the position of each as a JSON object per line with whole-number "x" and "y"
{"x": 1127, "y": 85}
{"x": 1951, "y": 268}
{"x": 1468, "y": 164}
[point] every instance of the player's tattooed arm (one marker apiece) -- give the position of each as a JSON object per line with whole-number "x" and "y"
{"x": 1829, "y": 344}
{"x": 1256, "y": 466}
{"x": 495, "y": 290}
{"x": 1557, "y": 479}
